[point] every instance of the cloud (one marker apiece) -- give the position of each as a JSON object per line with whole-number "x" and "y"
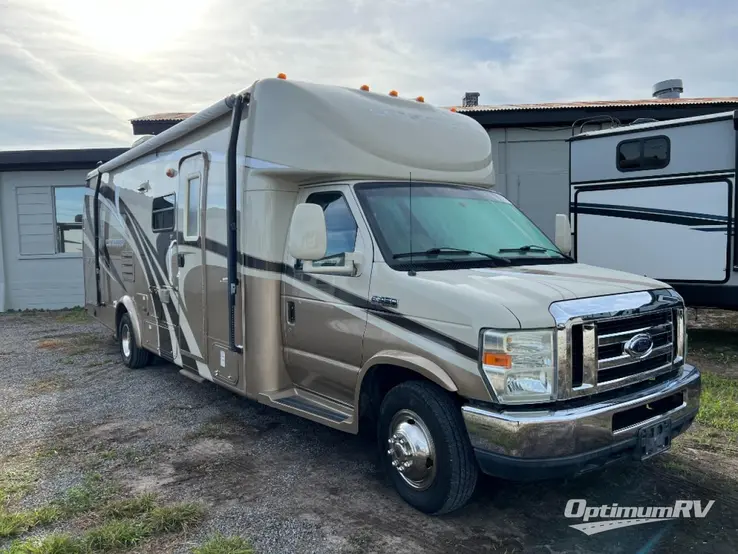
{"x": 75, "y": 71}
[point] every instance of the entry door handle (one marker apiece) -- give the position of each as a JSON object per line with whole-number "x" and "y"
{"x": 181, "y": 260}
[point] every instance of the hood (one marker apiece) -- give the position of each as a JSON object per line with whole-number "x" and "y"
{"x": 471, "y": 296}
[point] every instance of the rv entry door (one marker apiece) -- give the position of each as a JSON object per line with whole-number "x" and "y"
{"x": 190, "y": 284}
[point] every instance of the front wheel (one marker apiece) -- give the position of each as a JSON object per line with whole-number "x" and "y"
{"x": 425, "y": 449}
{"x": 132, "y": 354}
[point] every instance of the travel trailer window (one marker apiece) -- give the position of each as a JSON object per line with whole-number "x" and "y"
{"x": 470, "y": 219}
{"x": 339, "y": 222}
{"x": 162, "y": 215}
{"x": 643, "y": 154}
{"x": 192, "y": 212}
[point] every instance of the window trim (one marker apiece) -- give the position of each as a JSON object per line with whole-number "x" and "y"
{"x": 48, "y": 255}
{"x": 186, "y": 208}
{"x": 642, "y": 145}
{"x": 173, "y": 209}
{"x": 351, "y": 212}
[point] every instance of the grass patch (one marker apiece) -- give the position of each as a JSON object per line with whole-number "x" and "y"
{"x": 17, "y": 523}
{"x": 86, "y": 497}
{"x": 219, "y": 544}
{"x": 719, "y": 402}
{"x": 15, "y": 483}
{"x": 75, "y": 315}
{"x": 125, "y": 523}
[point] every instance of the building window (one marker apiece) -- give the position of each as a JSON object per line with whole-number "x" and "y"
{"x": 644, "y": 154}
{"x": 192, "y": 211}
{"x": 162, "y": 214}
{"x": 340, "y": 224}
{"x": 68, "y": 205}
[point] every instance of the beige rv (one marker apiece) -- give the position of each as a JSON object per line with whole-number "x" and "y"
{"x": 341, "y": 255}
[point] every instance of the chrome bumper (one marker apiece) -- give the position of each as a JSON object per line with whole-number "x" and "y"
{"x": 579, "y": 433}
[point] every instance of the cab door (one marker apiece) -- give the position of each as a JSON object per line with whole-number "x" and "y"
{"x": 190, "y": 258}
{"x": 324, "y": 314}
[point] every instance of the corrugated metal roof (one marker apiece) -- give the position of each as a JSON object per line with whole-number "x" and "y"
{"x": 650, "y": 102}
{"x": 166, "y": 116}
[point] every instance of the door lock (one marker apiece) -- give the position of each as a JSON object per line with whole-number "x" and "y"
{"x": 290, "y": 312}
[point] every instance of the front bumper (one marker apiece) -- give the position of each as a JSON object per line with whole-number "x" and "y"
{"x": 544, "y": 443}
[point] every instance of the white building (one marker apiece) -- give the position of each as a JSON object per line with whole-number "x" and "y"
{"x": 41, "y": 195}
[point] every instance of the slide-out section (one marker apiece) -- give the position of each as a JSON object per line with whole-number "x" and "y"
{"x": 675, "y": 231}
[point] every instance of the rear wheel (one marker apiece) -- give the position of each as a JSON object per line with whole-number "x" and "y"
{"x": 133, "y": 355}
{"x": 425, "y": 449}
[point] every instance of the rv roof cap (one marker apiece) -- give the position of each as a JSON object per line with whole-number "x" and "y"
{"x": 308, "y": 131}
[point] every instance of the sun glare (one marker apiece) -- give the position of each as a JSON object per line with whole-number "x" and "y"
{"x": 131, "y": 28}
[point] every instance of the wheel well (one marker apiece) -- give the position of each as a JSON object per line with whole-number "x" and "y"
{"x": 377, "y": 382}
{"x": 119, "y": 311}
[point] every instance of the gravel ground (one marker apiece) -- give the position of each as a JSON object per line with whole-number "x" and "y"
{"x": 69, "y": 407}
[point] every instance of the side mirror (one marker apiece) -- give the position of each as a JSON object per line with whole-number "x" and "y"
{"x": 308, "y": 238}
{"x": 563, "y": 234}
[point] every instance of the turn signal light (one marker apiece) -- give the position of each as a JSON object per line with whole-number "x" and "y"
{"x": 365, "y": 88}
{"x": 453, "y": 110}
{"x": 393, "y": 93}
{"x": 281, "y": 76}
{"x": 420, "y": 99}
{"x": 497, "y": 360}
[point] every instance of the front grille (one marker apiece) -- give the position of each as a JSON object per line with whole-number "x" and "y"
{"x": 608, "y": 342}
{"x": 615, "y": 362}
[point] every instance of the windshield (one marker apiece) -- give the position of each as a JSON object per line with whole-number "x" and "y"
{"x": 451, "y": 224}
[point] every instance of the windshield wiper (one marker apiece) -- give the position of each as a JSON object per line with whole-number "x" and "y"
{"x": 451, "y": 250}
{"x": 536, "y": 248}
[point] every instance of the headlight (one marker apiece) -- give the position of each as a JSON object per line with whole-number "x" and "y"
{"x": 519, "y": 365}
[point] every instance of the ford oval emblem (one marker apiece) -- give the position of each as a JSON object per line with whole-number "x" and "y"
{"x": 639, "y": 346}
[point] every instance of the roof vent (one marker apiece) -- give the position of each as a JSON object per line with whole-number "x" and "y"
{"x": 671, "y": 88}
{"x": 471, "y": 99}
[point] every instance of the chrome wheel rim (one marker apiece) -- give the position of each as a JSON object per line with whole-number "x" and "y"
{"x": 411, "y": 450}
{"x": 125, "y": 341}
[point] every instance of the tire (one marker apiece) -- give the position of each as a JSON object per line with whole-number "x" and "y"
{"x": 452, "y": 477}
{"x": 136, "y": 356}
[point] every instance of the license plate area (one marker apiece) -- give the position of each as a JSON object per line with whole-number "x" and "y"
{"x": 654, "y": 439}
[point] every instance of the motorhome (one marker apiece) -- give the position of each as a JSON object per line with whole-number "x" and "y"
{"x": 658, "y": 199}
{"x": 341, "y": 255}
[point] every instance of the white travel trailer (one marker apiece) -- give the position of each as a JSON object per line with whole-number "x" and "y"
{"x": 339, "y": 255}
{"x": 658, "y": 199}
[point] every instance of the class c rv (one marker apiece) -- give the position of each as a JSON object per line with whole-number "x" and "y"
{"x": 658, "y": 199}
{"x": 342, "y": 256}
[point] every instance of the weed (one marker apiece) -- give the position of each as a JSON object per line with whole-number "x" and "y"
{"x": 17, "y": 523}
{"x": 219, "y": 544}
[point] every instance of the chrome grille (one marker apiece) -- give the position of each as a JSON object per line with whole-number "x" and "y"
{"x": 615, "y": 362}
{"x": 608, "y": 342}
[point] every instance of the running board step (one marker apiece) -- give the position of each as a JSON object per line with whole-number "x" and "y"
{"x": 314, "y": 405}
{"x": 194, "y": 376}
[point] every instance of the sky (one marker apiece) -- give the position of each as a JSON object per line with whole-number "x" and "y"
{"x": 74, "y": 72}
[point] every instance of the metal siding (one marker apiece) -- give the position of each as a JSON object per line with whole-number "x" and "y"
{"x": 532, "y": 171}
{"x": 34, "y": 279}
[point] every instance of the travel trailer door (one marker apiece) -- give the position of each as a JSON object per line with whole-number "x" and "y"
{"x": 190, "y": 284}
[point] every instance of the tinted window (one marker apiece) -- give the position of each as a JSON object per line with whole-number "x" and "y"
{"x": 68, "y": 204}
{"x": 193, "y": 207}
{"x": 449, "y": 216}
{"x": 339, "y": 221}
{"x": 162, "y": 216}
{"x": 643, "y": 154}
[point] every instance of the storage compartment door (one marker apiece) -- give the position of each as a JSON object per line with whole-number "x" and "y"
{"x": 672, "y": 232}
